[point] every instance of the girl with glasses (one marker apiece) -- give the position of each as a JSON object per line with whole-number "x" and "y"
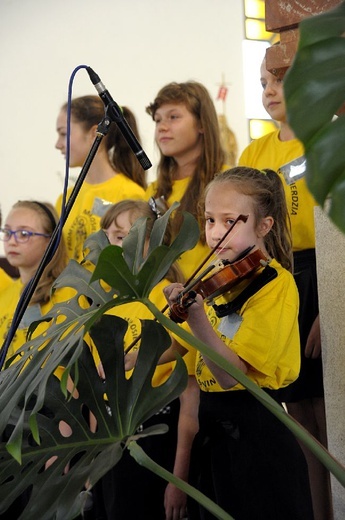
{"x": 26, "y": 233}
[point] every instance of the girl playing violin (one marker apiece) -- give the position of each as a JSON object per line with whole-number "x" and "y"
{"x": 243, "y": 457}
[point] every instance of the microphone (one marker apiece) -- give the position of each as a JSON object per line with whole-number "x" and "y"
{"x": 114, "y": 112}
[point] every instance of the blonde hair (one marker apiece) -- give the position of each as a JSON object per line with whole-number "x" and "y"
{"x": 49, "y": 220}
{"x": 137, "y": 209}
{"x": 267, "y": 192}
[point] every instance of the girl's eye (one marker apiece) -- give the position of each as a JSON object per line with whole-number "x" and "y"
{"x": 230, "y": 221}
{"x": 209, "y": 220}
{"x": 23, "y": 234}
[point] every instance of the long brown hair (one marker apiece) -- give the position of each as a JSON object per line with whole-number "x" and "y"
{"x": 137, "y": 209}
{"x": 89, "y": 111}
{"x": 267, "y": 192}
{"x": 198, "y": 101}
{"x": 49, "y": 220}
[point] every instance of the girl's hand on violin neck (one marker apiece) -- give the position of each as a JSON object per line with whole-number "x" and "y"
{"x": 173, "y": 295}
{"x": 172, "y": 292}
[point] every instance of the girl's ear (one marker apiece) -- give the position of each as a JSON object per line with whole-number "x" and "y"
{"x": 264, "y": 226}
{"x": 93, "y": 131}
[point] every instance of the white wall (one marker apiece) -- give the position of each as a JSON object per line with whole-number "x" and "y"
{"x": 135, "y": 46}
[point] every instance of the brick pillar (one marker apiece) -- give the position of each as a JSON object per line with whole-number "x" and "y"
{"x": 283, "y": 18}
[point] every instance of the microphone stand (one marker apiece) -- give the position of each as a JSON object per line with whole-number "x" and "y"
{"x": 102, "y": 131}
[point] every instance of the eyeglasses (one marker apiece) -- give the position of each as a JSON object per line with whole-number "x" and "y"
{"x": 21, "y": 235}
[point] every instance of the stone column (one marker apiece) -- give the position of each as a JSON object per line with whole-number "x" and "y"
{"x": 330, "y": 257}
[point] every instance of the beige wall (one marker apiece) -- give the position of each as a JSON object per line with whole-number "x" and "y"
{"x": 135, "y": 46}
{"x": 330, "y": 249}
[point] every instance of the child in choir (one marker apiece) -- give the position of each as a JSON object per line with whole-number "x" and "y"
{"x": 187, "y": 134}
{"x": 154, "y": 499}
{"x": 26, "y": 233}
{"x": 114, "y": 173}
{"x": 243, "y": 457}
{"x": 282, "y": 152}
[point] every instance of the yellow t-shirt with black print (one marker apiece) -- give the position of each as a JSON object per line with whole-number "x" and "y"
{"x": 264, "y": 333}
{"x": 9, "y": 298}
{"x": 287, "y": 159}
{"x": 91, "y": 203}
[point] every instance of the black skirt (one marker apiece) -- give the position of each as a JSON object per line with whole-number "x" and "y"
{"x": 130, "y": 491}
{"x": 247, "y": 461}
{"x": 310, "y": 380}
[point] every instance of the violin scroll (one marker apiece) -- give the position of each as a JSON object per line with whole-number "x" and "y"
{"x": 179, "y": 310}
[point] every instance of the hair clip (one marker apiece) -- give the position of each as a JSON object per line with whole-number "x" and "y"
{"x": 154, "y": 207}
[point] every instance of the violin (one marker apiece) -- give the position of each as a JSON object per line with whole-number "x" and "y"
{"x": 187, "y": 291}
{"x": 231, "y": 274}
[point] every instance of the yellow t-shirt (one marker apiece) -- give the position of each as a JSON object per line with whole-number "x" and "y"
{"x": 8, "y": 302}
{"x": 91, "y": 203}
{"x": 287, "y": 158}
{"x": 5, "y": 279}
{"x": 190, "y": 260}
{"x": 264, "y": 333}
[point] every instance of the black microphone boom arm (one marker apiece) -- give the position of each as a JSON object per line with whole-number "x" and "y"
{"x": 114, "y": 112}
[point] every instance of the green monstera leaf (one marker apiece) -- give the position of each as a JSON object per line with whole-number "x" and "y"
{"x": 157, "y": 261}
{"x": 36, "y": 453}
{"x": 119, "y": 405}
{"x": 34, "y": 402}
{"x": 315, "y": 90}
{"x": 70, "y": 321}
